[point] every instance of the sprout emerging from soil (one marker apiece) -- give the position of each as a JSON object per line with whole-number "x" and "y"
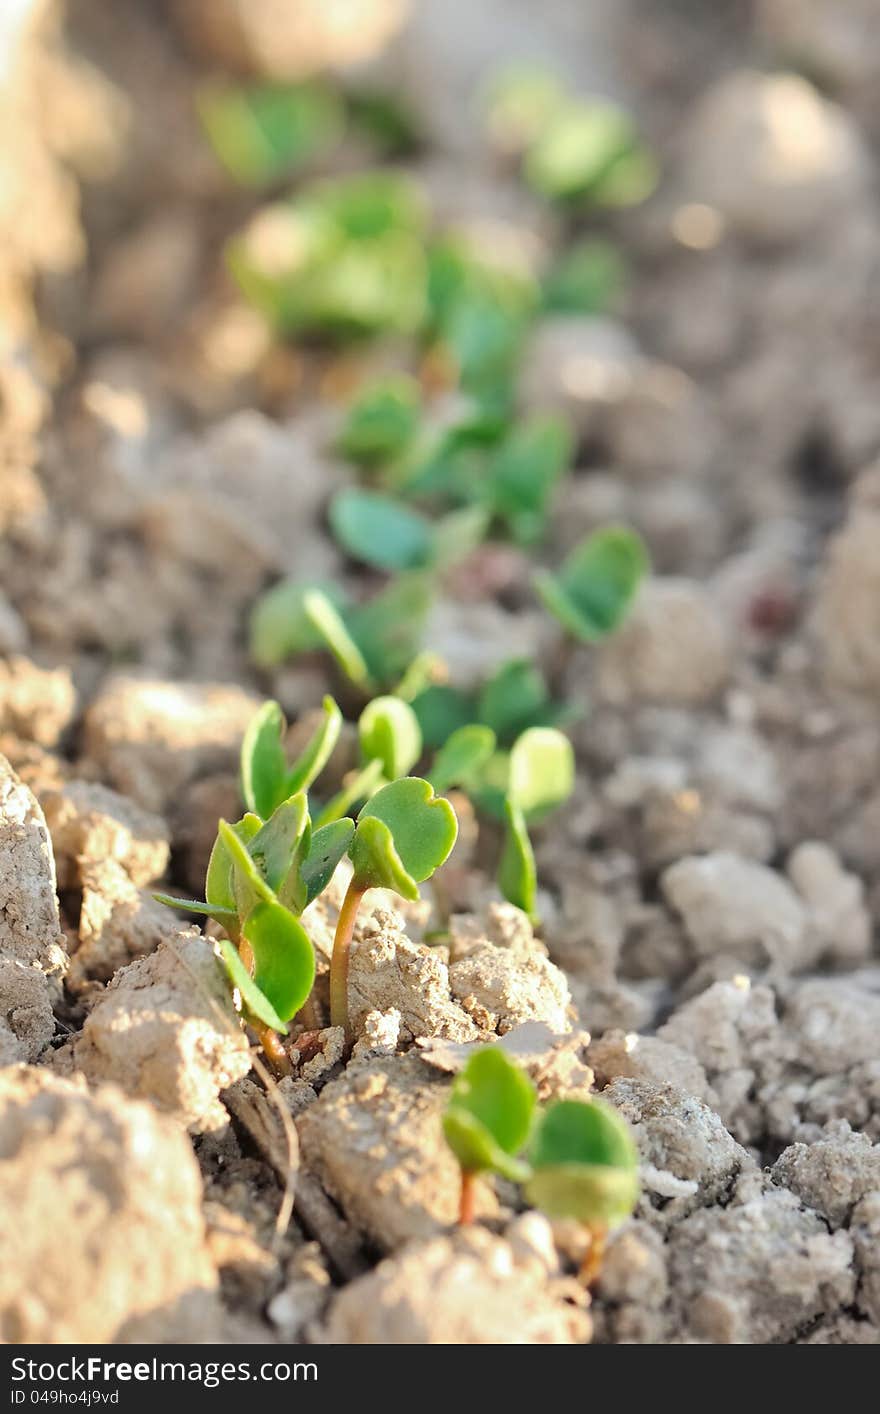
{"x": 594, "y": 589}
{"x": 487, "y": 1121}
{"x": 584, "y": 1166}
{"x": 266, "y": 778}
{"x": 403, "y": 834}
{"x": 540, "y": 778}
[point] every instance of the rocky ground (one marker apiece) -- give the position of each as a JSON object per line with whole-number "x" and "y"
{"x": 710, "y": 895}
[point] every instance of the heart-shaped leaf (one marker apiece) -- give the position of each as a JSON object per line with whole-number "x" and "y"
{"x": 516, "y": 697}
{"x": 328, "y": 845}
{"x": 541, "y": 772}
{"x": 328, "y": 623}
{"x": 517, "y": 875}
{"x": 525, "y": 472}
{"x": 389, "y": 732}
{"x": 274, "y": 847}
{"x": 377, "y": 865}
{"x": 219, "y": 886}
{"x": 382, "y": 421}
{"x": 585, "y": 1163}
{"x": 387, "y": 628}
{"x": 465, "y": 752}
{"x": 422, "y": 826}
{"x": 263, "y": 764}
{"x": 594, "y": 590}
{"x": 318, "y": 750}
{"x": 381, "y": 531}
{"x": 592, "y": 151}
{"x": 489, "y": 1114}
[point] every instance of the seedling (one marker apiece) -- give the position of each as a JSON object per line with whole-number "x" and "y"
{"x": 403, "y": 834}
{"x": 382, "y": 422}
{"x": 461, "y": 757}
{"x": 514, "y": 698}
{"x": 487, "y": 1121}
{"x": 383, "y": 532}
{"x": 261, "y": 875}
{"x": 346, "y": 258}
{"x": 589, "y": 278}
{"x": 584, "y": 1166}
{"x": 540, "y": 778}
{"x": 267, "y": 131}
{"x": 266, "y": 778}
{"x": 372, "y": 643}
{"x": 594, "y": 590}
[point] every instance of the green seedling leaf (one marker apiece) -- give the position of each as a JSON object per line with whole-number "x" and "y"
{"x": 280, "y": 626}
{"x": 461, "y": 756}
{"x": 589, "y": 279}
{"x": 275, "y": 847}
{"x": 318, "y": 750}
{"x": 541, "y": 772}
{"x": 515, "y": 698}
{"x": 284, "y": 959}
{"x": 328, "y": 623}
{"x": 595, "y": 588}
{"x": 382, "y": 422}
{"x": 219, "y": 887}
{"x": 525, "y": 472}
{"x": 381, "y": 531}
{"x": 254, "y": 1004}
{"x": 458, "y": 534}
{"x": 590, "y": 151}
{"x": 489, "y": 1115}
{"x": 263, "y": 763}
{"x": 191, "y": 905}
{"x": 263, "y": 132}
{"x": 421, "y": 831}
{"x": 585, "y": 1164}
{"x": 386, "y": 121}
{"x": 442, "y": 710}
{"x": 389, "y": 732}
{"x": 248, "y": 884}
{"x": 388, "y": 628}
{"x": 517, "y": 875}
{"x": 328, "y": 845}
{"x": 377, "y": 865}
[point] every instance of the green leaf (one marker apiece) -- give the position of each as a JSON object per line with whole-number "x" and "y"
{"x": 329, "y": 844}
{"x": 388, "y": 731}
{"x": 441, "y": 710}
{"x": 328, "y": 623}
{"x": 464, "y": 753}
{"x": 284, "y": 959}
{"x": 388, "y": 628}
{"x": 381, "y": 531}
{"x": 191, "y": 905}
{"x": 279, "y": 625}
{"x": 595, "y": 588}
{"x": 386, "y": 121}
{"x": 262, "y": 132}
{"x": 377, "y": 865}
{"x": 421, "y": 673}
{"x": 458, "y": 534}
{"x": 517, "y": 875}
{"x": 525, "y": 472}
{"x": 515, "y": 698}
{"x": 317, "y": 751}
{"x": 263, "y": 763}
{"x": 422, "y": 828}
{"x": 590, "y": 150}
{"x": 219, "y": 889}
{"x": 541, "y": 772}
{"x": 585, "y": 1163}
{"x": 489, "y": 1114}
{"x": 274, "y": 847}
{"x": 521, "y": 102}
{"x": 248, "y": 883}
{"x": 254, "y": 1004}
{"x": 588, "y": 279}
{"x": 382, "y": 422}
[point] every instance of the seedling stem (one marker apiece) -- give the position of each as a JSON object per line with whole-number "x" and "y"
{"x": 341, "y": 955}
{"x": 468, "y": 1199}
{"x": 591, "y": 1265}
